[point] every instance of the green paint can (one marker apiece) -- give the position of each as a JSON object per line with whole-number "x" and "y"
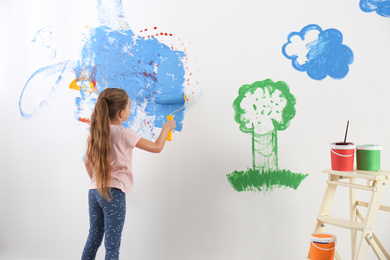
{"x": 368, "y": 157}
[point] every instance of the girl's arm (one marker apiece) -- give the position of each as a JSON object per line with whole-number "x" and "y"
{"x": 158, "y": 145}
{"x": 88, "y": 167}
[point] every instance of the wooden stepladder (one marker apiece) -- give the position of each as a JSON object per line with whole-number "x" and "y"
{"x": 376, "y": 182}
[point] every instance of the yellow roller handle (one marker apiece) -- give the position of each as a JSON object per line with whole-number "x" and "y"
{"x": 169, "y": 138}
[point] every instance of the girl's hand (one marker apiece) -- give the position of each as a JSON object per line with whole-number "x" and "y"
{"x": 158, "y": 145}
{"x": 170, "y": 125}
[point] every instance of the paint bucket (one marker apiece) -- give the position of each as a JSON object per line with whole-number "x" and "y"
{"x": 322, "y": 246}
{"x": 368, "y": 157}
{"x": 342, "y": 156}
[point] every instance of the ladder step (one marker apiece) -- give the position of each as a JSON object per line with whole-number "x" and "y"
{"x": 365, "y": 204}
{"x": 368, "y": 175}
{"x": 350, "y": 185}
{"x": 340, "y": 222}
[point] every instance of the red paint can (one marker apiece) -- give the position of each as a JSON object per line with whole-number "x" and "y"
{"x": 342, "y": 156}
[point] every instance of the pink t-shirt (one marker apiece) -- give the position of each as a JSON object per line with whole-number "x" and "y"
{"x": 123, "y": 141}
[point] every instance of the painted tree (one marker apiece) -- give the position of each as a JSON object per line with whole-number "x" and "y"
{"x": 262, "y": 109}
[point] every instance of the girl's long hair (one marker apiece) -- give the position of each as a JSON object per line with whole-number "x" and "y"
{"x": 108, "y": 105}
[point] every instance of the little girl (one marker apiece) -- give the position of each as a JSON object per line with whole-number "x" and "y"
{"x": 109, "y": 165}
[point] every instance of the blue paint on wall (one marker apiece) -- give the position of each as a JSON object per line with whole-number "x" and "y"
{"x": 113, "y": 56}
{"x": 320, "y": 53}
{"x": 144, "y": 68}
{"x": 379, "y": 6}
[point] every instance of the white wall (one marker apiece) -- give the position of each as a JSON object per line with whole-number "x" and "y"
{"x": 182, "y": 206}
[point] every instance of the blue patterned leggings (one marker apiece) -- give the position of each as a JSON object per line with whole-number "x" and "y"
{"x": 105, "y": 218}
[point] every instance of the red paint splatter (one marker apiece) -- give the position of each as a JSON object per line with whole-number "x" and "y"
{"x": 165, "y": 37}
{"x": 84, "y": 120}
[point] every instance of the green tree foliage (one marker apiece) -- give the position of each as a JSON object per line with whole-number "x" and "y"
{"x": 280, "y": 113}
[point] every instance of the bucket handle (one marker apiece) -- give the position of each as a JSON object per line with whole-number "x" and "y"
{"x": 342, "y": 155}
{"x": 325, "y": 249}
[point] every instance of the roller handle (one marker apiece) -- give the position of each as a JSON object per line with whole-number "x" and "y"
{"x": 169, "y": 138}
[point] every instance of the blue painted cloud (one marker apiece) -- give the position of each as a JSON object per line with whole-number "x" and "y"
{"x": 319, "y": 53}
{"x": 381, "y": 7}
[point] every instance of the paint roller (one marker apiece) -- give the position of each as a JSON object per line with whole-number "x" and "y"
{"x": 171, "y": 99}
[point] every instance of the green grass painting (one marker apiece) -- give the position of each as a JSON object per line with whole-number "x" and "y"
{"x": 255, "y": 180}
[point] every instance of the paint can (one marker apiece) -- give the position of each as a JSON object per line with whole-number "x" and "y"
{"x": 368, "y": 157}
{"x": 322, "y": 246}
{"x": 342, "y": 156}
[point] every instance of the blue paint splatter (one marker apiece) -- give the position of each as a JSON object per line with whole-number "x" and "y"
{"x": 113, "y": 56}
{"x": 145, "y": 68}
{"x": 319, "y": 53}
{"x": 379, "y": 6}
{"x": 43, "y": 39}
{"x": 41, "y": 87}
